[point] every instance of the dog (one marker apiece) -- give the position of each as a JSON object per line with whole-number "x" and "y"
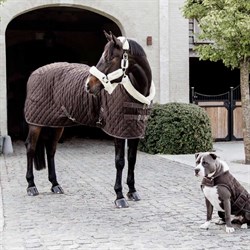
{"x": 222, "y": 191}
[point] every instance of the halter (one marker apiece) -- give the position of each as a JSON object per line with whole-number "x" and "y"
{"x": 106, "y": 79}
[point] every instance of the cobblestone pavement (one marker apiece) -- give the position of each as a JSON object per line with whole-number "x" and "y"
{"x": 168, "y": 216}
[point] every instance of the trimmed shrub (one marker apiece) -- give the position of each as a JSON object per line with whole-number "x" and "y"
{"x": 177, "y": 128}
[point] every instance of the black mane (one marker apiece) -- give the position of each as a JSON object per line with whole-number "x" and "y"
{"x": 135, "y": 48}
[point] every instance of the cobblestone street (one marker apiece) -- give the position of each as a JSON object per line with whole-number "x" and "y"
{"x": 168, "y": 216}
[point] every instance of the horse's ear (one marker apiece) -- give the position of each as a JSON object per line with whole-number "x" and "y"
{"x": 108, "y": 36}
{"x": 111, "y": 37}
{"x": 116, "y": 41}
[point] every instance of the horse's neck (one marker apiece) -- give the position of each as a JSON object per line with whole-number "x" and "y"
{"x": 140, "y": 79}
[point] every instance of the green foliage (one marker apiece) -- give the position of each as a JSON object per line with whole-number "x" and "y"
{"x": 227, "y": 24}
{"x": 177, "y": 128}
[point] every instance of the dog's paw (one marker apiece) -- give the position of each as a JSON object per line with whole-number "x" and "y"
{"x": 205, "y": 225}
{"x": 229, "y": 229}
{"x": 244, "y": 226}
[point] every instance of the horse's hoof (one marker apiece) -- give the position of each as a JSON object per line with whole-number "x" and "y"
{"x": 121, "y": 203}
{"x": 133, "y": 196}
{"x": 57, "y": 189}
{"x": 32, "y": 191}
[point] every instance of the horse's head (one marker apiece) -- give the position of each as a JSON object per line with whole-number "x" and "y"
{"x": 109, "y": 62}
{"x": 122, "y": 61}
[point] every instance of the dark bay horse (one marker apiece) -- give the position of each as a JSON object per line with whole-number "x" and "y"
{"x": 64, "y": 94}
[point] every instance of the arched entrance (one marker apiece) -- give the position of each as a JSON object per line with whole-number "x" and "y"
{"x": 44, "y": 36}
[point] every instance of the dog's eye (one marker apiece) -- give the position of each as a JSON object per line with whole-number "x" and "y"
{"x": 204, "y": 163}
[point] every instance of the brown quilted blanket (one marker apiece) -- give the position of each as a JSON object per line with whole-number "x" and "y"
{"x": 56, "y": 97}
{"x": 122, "y": 115}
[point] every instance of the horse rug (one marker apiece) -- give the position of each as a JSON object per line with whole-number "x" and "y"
{"x": 56, "y": 97}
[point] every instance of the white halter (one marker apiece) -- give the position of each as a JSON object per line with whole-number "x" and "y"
{"x": 109, "y": 87}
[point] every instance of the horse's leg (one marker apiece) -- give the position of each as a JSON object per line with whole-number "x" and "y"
{"x": 30, "y": 144}
{"x": 50, "y": 144}
{"x": 132, "y": 152}
{"x": 120, "y": 201}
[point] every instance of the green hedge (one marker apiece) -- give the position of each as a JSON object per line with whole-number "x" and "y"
{"x": 177, "y": 128}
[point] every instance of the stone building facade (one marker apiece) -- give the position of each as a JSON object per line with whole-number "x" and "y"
{"x": 155, "y": 24}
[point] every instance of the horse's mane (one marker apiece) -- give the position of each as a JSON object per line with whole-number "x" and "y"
{"x": 140, "y": 70}
{"x": 135, "y": 48}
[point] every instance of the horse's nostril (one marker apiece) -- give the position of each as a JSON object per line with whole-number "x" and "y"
{"x": 197, "y": 171}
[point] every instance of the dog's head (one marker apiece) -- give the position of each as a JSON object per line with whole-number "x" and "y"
{"x": 206, "y": 164}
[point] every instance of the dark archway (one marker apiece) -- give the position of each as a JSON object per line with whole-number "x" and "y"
{"x": 44, "y": 36}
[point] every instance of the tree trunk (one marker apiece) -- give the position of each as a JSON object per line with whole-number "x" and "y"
{"x": 245, "y": 101}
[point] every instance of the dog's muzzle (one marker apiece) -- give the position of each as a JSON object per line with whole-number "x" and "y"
{"x": 197, "y": 171}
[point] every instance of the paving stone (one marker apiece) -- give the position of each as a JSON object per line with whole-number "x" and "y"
{"x": 168, "y": 216}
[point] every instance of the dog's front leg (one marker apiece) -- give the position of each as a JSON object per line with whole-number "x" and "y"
{"x": 221, "y": 220}
{"x": 227, "y": 207}
{"x": 209, "y": 215}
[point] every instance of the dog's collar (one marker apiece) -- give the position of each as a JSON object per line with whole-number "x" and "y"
{"x": 207, "y": 181}
{"x": 210, "y": 181}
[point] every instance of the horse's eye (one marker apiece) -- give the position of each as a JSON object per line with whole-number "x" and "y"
{"x": 109, "y": 60}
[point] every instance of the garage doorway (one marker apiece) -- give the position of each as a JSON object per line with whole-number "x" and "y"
{"x": 45, "y": 36}
{"x": 216, "y": 88}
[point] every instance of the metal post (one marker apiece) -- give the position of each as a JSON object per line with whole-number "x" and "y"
{"x": 231, "y": 118}
{"x": 192, "y": 95}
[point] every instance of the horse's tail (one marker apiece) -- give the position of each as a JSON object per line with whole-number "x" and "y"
{"x": 39, "y": 158}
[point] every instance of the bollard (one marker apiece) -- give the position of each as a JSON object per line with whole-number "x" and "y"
{"x": 7, "y": 145}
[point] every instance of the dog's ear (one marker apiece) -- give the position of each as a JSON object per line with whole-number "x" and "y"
{"x": 196, "y": 155}
{"x": 213, "y": 155}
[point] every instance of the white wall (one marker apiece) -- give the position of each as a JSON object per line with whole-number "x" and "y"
{"x": 174, "y": 53}
{"x": 161, "y": 19}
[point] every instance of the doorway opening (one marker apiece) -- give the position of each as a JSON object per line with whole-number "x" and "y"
{"x": 48, "y": 35}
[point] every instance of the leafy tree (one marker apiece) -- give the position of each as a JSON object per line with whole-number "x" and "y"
{"x": 227, "y": 24}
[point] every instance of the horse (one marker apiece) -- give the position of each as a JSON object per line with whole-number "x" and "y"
{"x": 69, "y": 94}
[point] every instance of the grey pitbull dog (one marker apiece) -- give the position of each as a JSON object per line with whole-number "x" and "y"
{"x": 222, "y": 191}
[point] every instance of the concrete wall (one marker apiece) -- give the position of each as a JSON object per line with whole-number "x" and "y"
{"x": 161, "y": 19}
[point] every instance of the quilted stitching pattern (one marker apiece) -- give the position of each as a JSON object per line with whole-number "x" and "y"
{"x": 56, "y": 92}
{"x": 120, "y": 120}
